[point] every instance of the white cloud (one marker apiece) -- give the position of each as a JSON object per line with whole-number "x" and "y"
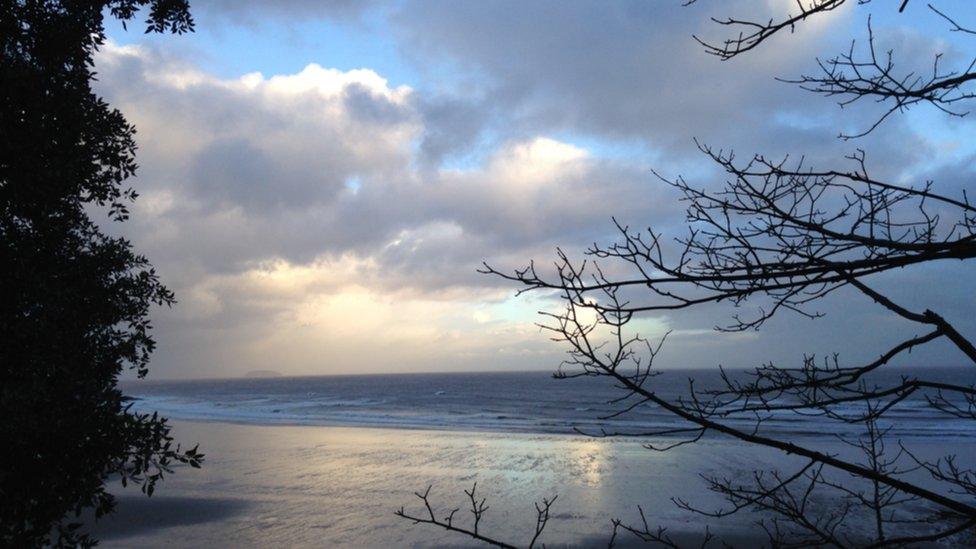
{"x": 249, "y": 215}
{"x": 318, "y": 222}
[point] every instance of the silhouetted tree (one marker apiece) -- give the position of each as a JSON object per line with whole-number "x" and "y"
{"x": 789, "y": 234}
{"x": 74, "y": 302}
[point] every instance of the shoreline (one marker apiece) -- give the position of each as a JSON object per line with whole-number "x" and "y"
{"x": 305, "y": 486}
{"x": 898, "y": 368}
{"x": 309, "y": 486}
{"x": 523, "y": 403}
{"x": 808, "y": 436}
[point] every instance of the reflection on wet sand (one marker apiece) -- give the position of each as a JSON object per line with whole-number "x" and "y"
{"x": 297, "y": 486}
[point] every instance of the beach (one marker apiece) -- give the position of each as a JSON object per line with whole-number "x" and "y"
{"x": 315, "y": 486}
{"x": 326, "y": 461}
{"x": 338, "y": 486}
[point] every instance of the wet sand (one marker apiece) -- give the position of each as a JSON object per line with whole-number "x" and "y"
{"x": 299, "y": 486}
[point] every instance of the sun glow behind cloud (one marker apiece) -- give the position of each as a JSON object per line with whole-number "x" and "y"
{"x": 318, "y": 220}
{"x": 330, "y": 307}
{"x": 321, "y": 318}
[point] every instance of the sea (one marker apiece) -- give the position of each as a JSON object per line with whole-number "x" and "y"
{"x": 513, "y": 402}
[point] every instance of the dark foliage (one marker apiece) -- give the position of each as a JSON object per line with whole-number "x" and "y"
{"x": 74, "y": 302}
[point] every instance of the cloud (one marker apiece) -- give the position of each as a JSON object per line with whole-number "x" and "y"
{"x": 630, "y": 71}
{"x": 253, "y": 11}
{"x": 262, "y": 195}
{"x": 330, "y": 221}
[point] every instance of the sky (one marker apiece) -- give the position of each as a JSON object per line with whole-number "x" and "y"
{"x": 320, "y": 180}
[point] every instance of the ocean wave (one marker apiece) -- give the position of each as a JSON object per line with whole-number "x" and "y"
{"x": 524, "y": 403}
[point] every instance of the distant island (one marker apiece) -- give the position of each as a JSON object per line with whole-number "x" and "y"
{"x": 262, "y": 373}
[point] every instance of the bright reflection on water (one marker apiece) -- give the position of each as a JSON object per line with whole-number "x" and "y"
{"x": 305, "y": 486}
